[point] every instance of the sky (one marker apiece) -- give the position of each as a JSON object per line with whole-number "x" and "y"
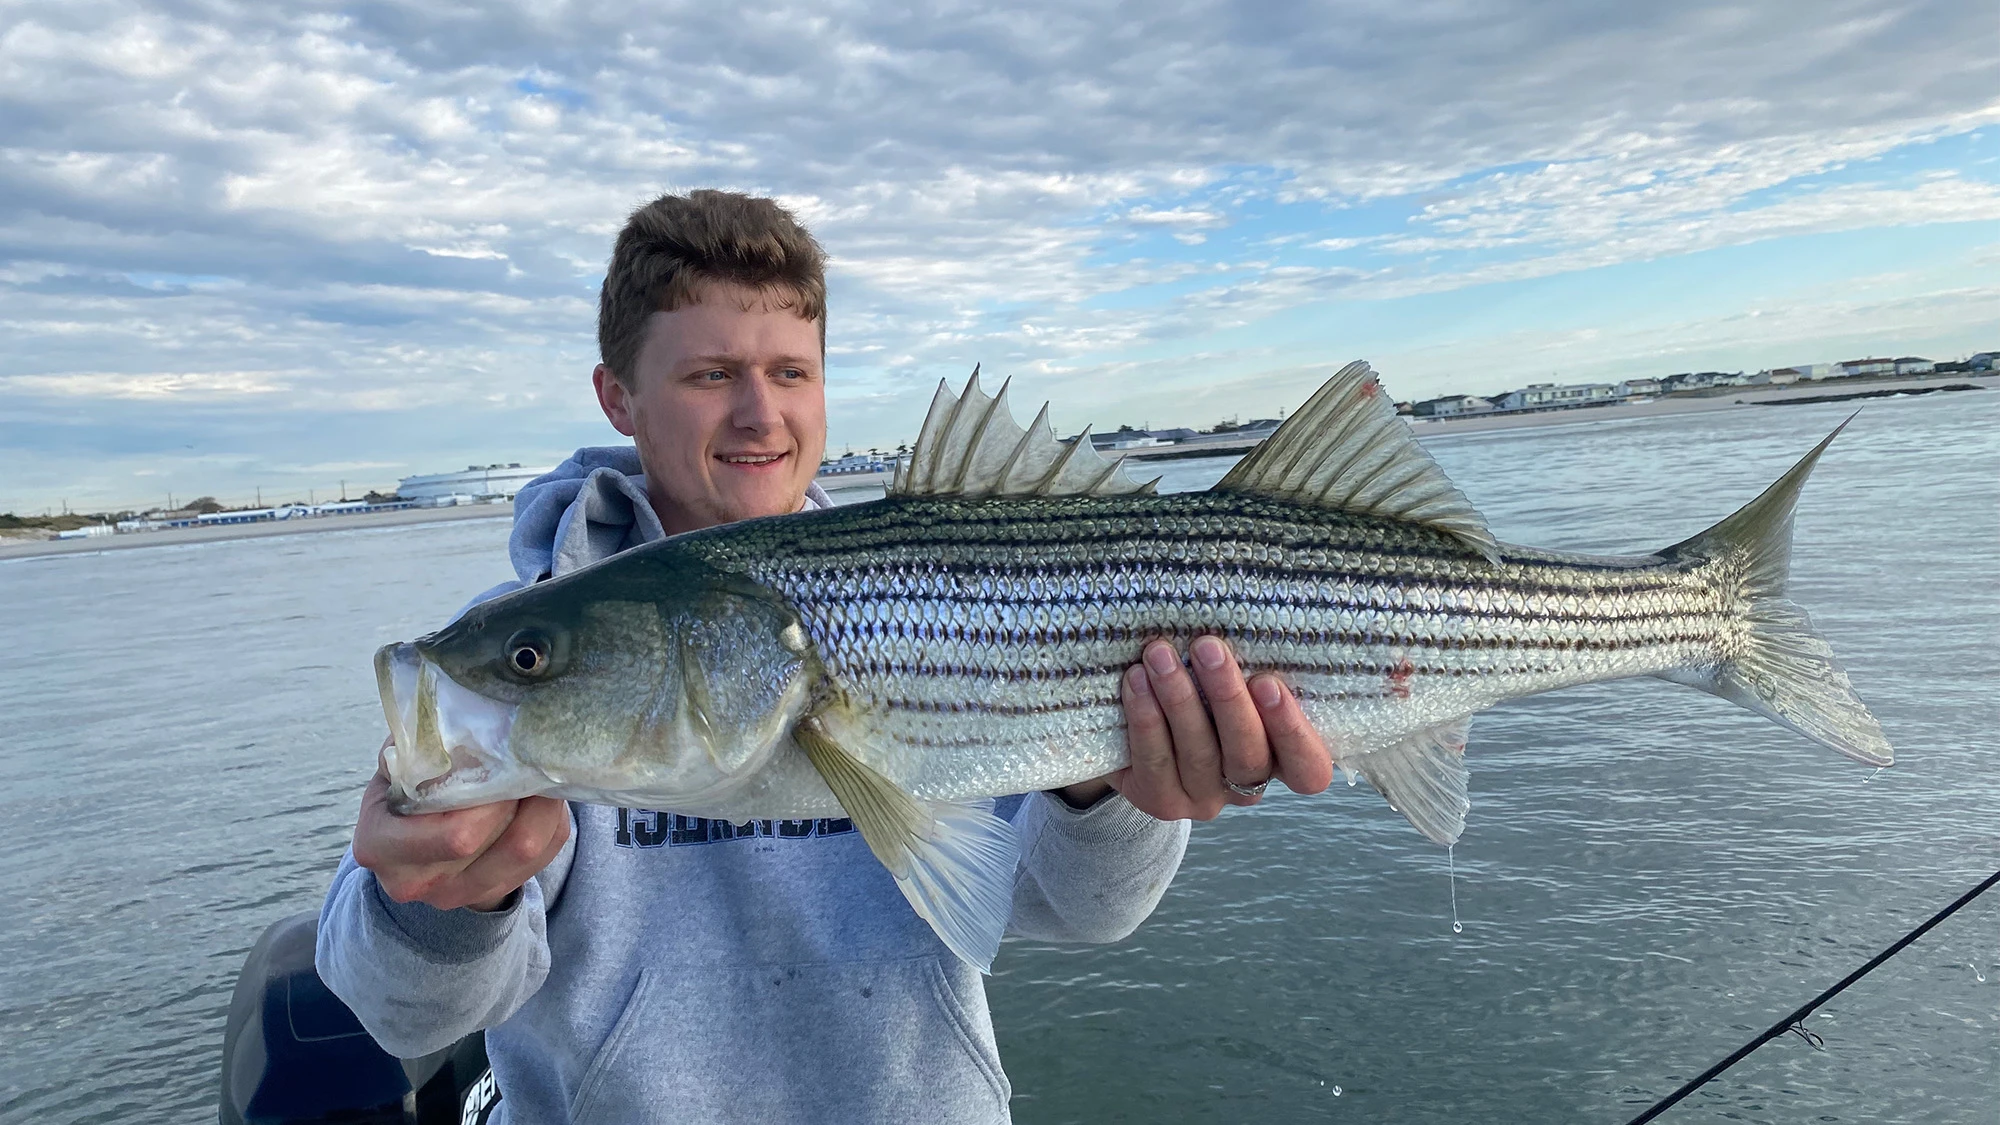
{"x": 255, "y": 250}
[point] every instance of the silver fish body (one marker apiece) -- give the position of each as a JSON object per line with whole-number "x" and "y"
{"x": 982, "y": 642}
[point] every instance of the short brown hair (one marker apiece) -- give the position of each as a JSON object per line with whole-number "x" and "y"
{"x": 674, "y": 244}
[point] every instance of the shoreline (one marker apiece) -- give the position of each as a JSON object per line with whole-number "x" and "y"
{"x": 1729, "y": 399}
{"x": 11, "y": 549}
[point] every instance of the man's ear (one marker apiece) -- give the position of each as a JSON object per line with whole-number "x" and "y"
{"x": 614, "y": 399}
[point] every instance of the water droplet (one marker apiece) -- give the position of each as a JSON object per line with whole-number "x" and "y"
{"x": 1977, "y": 972}
{"x": 1451, "y": 864}
{"x": 1336, "y": 1091}
{"x": 1767, "y": 688}
{"x": 1873, "y": 776}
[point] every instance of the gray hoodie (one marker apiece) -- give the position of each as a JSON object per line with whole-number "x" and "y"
{"x": 670, "y": 968}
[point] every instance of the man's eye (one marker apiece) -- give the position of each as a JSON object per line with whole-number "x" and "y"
{"x": 716, "y": 376}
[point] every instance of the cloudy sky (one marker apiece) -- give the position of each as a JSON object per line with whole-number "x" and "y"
{"x": 251, "y": 245}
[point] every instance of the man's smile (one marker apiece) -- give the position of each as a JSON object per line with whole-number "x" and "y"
{"x": 750, "y": 458}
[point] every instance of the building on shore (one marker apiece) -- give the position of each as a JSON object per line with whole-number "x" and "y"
{"x": 1847, "y": 368}
{"x": 1452, "y": 406}
{"x": 91, "y": 531}
{"x": 161, "y": 521}
{"x": 1701, "y": 380}
{"x": 1551, "y": 396}
{"x": 479, "y": 482}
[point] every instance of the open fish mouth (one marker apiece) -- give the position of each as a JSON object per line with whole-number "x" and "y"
{"x": 446, "y": 738}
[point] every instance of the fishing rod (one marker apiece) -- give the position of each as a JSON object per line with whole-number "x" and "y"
{"x": 1794, "y": 1022}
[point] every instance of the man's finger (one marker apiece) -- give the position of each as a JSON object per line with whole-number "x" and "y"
{"x": 1298, "y": 753}
{"x": 447, "y": 839}
{"x": 1239, "y": 729}
{"x": 412, "y": 856}
{"x": 1152, "y": 781}
{"x": 1197, "y": 757}
{"x": 531, "y": 841}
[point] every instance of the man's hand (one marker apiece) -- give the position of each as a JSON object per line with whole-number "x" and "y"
{"x": 1184, "y": 753}
{"x": 473, "y": 857}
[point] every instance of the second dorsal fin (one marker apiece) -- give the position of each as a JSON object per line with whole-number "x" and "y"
{"x": 971, "y": 446}
{"x": 1347, "y": 448}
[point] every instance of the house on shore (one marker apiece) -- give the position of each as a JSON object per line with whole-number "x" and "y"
{"x": 1874, "y": 365}
{"x": 1550, "y": 396}
{"x": 1699, "y": 380}
{"x": 1452, "y": 406}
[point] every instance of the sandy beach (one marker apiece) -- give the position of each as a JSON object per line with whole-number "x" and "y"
{"x": 1731, "y": 398}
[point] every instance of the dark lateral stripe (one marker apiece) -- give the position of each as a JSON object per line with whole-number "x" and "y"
{"x": 896, "y": 574}
{"x": 980, "y": 707}
{"x": 1015, "y": 535}
{"x": 934, "y": 742}
{"x": 1232, "y": 518}
{"x": 1069, "y": 518}
{"x": 1057, "y": 707}
{"x": 875, "y": 668}
{"x": 857, "y": 654}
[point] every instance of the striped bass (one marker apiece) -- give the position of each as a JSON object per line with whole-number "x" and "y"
{"x": 904, "y": 661}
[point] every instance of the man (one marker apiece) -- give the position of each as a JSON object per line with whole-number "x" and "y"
{"x": 636, "y": 965}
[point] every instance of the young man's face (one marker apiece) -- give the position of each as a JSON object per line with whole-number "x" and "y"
{"x": 727, "y": 407}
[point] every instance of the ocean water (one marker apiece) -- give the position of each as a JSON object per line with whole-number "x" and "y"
{"x": 1650, "y": 876}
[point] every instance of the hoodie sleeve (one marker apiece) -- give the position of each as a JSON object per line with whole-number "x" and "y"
{"x": 1090, "y": 874}
{"x": 420, "y": 979}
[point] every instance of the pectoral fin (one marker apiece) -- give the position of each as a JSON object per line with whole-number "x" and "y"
{"x": 1423, "y": 777}
{"x": 954, "y": 861}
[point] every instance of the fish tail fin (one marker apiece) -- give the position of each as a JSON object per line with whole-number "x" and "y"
{"x": 1782, "y": 668}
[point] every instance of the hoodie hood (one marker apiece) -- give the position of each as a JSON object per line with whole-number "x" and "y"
{"x": 587, "y": 509}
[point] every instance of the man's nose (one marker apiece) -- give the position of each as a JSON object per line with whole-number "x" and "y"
{"x": 756, "y": 405}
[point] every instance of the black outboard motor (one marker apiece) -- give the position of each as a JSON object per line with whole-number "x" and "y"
{"x": 292, "y": 1053}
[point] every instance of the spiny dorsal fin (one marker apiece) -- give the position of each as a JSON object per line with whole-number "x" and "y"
{"x": 1346, "y": 448}
{"x": 971, "y": 446}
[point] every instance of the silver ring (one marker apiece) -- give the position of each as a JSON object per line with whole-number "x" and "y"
{"x": 1256, "y": 790}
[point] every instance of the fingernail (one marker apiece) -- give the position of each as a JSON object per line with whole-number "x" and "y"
{"x": 1136, "y": 683}
{"x": 1265, "y": 690}
{"x": 1208, "y": 652}
{"x": 1162, "y": 659}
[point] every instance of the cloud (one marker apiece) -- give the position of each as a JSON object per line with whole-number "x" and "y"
{"x": 95, "y": 385}
{"x": 393, "y": 206}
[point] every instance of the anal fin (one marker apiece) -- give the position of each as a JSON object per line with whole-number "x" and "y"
{"x": 1423, "y": 777}
{"x": 954, "y": 861}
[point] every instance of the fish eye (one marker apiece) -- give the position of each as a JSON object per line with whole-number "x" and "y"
{"x": 527, "y": 654}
